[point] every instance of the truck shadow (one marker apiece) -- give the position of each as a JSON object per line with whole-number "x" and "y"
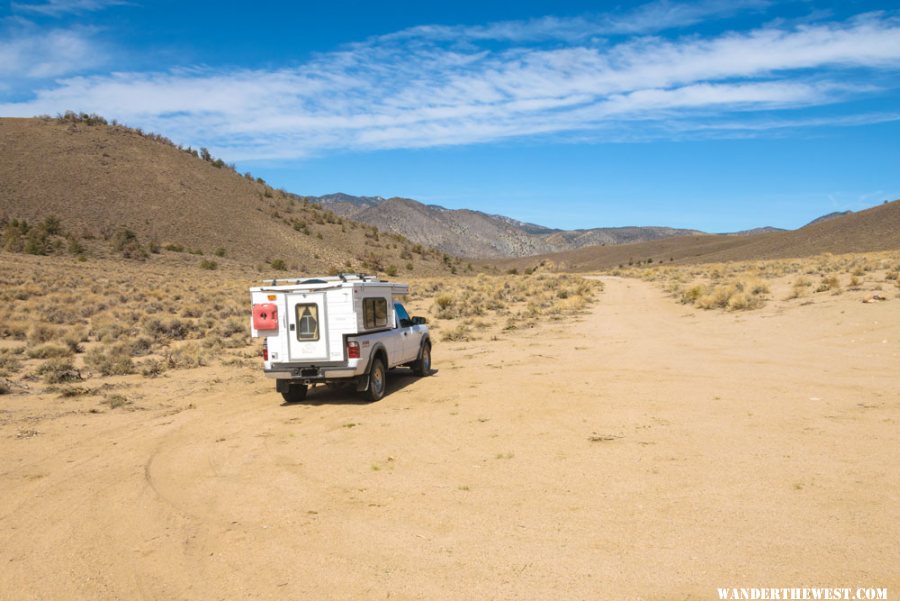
{"x": 397, "y": 380}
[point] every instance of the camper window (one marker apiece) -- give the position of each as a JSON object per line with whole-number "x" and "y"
{"x": 374, "y": 313}
{"x": 307, "y": 321}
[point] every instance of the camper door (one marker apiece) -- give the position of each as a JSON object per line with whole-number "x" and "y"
{"x": 307, "y": 327}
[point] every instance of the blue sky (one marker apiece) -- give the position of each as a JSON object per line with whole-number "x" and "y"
{"x": 717, "y": 115}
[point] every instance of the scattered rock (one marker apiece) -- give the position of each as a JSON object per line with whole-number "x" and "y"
{"x": 874, "y": 298}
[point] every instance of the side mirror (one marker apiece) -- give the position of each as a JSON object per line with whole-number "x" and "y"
{"x": 418, "y": 321}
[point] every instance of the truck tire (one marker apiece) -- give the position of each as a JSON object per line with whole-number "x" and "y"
{"x": 295, "y": 393}
{"x": 422, "y": 365}
{"x": 377, "y": 380}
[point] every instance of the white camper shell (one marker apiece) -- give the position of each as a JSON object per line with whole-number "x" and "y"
{"x": 350, "y": 327}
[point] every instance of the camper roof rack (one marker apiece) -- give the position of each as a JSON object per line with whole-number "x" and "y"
{"x": 341, "y": 277}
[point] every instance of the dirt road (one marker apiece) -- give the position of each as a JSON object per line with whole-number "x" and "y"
{"x": 647, "y": 451}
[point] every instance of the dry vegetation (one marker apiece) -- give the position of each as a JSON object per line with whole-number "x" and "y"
{"x": 473, "y": 308}
{"x": 91, "y": 328}
{"x": 746, "y": 285}
{"x": 66, "y": 326}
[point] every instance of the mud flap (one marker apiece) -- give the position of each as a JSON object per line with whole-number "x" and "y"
{"x": 362, "y": 383}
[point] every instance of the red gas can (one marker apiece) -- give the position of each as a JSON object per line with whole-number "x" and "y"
{"x": 265, "y": 316}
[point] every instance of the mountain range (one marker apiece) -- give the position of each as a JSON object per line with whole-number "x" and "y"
{"x": 469, "y": 233}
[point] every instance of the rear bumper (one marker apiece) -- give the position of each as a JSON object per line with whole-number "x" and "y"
{"x": 312, "y": 373}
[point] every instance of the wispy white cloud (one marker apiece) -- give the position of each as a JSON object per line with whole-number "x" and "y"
{"x": 56, "y": 8}
{"x": 420, "y": 90}
{"x": 31, "y": 53}
{"x": 659, "y": 15}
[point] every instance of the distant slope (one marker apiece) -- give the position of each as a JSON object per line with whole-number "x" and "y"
{"x": 874, "y": 229}
{"x": 458, "y": 232}
{"x": 614, "y": 235}
{"x": 829, "y": 216}
{"x": 757, "y": 230}
{"x": 346, "y": 205}
{"x": 96, "y": 178}
{"x": 470, "y": 233}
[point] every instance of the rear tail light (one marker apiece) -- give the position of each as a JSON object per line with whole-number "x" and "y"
{"x": 353, "y": 350}
{"x": 265, "y": 350}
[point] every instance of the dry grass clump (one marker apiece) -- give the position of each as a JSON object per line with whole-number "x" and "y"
{"x": 829, "y": 283}
{"x": 47, "y": 350}
{"x": 112, "y": 360}
{"x": 58, "y": 371}
{"x": 747, "y": 285}
{"x": 187, "y": 356}
{"x": 9, "y": 363}
{"x": 115, "y": 401}
{"x": 734, "y": 297}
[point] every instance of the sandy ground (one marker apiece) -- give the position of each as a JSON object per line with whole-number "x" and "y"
{"x": 645, "y": 451}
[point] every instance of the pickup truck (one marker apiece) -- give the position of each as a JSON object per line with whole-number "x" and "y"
{"x": 337, "y": 329}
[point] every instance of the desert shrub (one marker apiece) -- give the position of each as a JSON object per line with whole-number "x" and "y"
{"x": 743, "y": 301}
{"x": 460, "y": 333}
{"x": 210, "y": 265}
{"x": 830, "y": 282}
{"x": 219, "y": 252}
{"x": 187, "y": 356}
{"x": 733, "y": 296}
{"x": 13, "y": 331}
{"x": 278, "y": 265}
{"x": 152, "y": 368}
{"x": 136, "y": 347}
{"x": 73, "y": 340}
{"x": 9, "y": 364}
{"x": 758, "y": 287}
{"x": 164, "y": 330}
{"x": 58, "y": 371}
{"x": 40, "y": 333}
{"x": 444, "y": 304}
{"x": 571, "y": 304}
{"x": 48, "y": 350}
{"x": 68, "y": 392}
{"x": 113, "y": 360}
{"x": 115, "y": 401}
{"x": 691, "y": 295}
{"x": 125, "y": 242}
{"x": 109, "y": 330}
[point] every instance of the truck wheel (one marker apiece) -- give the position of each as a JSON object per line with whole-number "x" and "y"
{"x": 377, "y": 380}
{"x": 422, "y": 366}
{"x": 295, "y": 393}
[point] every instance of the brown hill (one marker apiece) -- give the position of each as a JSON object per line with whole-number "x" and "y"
{"x": 96, "y": 177}
{"x": 874, "y": 229}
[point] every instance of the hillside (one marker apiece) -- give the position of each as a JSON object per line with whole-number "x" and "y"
{"x": 97, "y": 179}
{"x": 469, "y": 233}
{"x": 874, "y": 229}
